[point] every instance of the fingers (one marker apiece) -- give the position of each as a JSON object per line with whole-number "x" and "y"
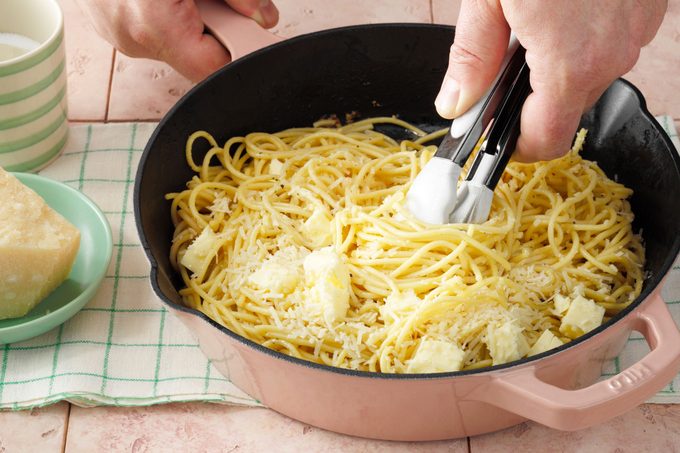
{"x": 646, "y": 20}
{"x": 575, "y": 49}
{"x": 594, "y": 96}
{"x": 154, "y": 33}
{"x": 551, "y": 115}
{"x": 197, "y": 57}
{"x": 550, "y": 118}
{"x": 476, "y": 54}
{"x": 262, "y": 11}
{"x": 548, "y": 125}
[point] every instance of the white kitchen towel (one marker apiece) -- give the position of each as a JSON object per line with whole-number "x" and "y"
{"x": 124, "y": 347}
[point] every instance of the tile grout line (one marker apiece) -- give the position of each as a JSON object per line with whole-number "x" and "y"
{"x": 66, "y": 427}
{"x": 84, "y": 121}
{"x": 133, "y": 120}
{"x": 110, "y": 86}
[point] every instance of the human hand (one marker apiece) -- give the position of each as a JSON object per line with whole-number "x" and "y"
{"x": 574, "y": 48}
{"x": 170, "y": 30}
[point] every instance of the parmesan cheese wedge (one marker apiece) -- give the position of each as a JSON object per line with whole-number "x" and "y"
{"x": 37, "y": 248}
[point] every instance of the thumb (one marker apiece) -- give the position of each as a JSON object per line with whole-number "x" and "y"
{"x": 478, "y": 48}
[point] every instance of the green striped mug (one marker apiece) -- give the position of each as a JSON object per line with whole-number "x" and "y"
{"x": 33, "y": 120}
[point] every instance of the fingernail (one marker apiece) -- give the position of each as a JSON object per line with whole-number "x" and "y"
{"x": 447, "y": 99}
{"x": 267, "y": 15}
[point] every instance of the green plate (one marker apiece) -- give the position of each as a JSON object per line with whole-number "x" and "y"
{"x": 89, "y": 267}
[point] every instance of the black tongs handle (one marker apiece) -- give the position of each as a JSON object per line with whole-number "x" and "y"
{"x": 499, "y": 144}
{"x": 503, "y": 139}
{"x": 495, "y": 101}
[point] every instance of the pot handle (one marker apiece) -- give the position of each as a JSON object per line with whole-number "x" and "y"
{"x": 239, "y": 34}
{"x": 525, "y": 394}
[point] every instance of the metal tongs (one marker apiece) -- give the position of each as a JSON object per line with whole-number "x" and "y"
{"x": 434, "y": 196}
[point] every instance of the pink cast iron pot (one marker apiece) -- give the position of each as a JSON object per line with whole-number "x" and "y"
{"x": 397, "y": 69}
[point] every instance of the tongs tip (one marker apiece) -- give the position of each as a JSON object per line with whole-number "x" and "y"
{"x": 434, "y": 197}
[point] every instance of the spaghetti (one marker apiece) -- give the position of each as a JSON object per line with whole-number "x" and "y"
{"x": 300, "y": 241}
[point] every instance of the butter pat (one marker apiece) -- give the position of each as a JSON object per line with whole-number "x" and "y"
{"x": 506, "y": 343}
{"x": 281, "y": 273}
{"x": 582, "y": 316}
{"x": 561, "y": 304}
{"x": 398, "y": 305}
{"x": 37, "y": 248}
{"x": 545, "y": 342}
{"x": 328, "y": 283}
{"x": 276, "y": 167}
{"x": 317, "y": 228}
{"x": 200, "y": 252}
{"x": 436, "y": 356}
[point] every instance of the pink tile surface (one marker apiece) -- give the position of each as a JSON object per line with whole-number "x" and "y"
{"x": 657, "y": 72}
{"x": 648, "y": 428}
{"x": 298, "y": 17}
{"x": 215, "y": 428}
{"x": 89, "y": 60}
{"x": 445, "y": 11}
{"x": 39, "y": 430}
{"x": 143, "y": 89}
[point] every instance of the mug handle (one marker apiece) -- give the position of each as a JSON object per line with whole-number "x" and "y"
{"x": 239, "y": 34}
{"x": 525, "y": 394}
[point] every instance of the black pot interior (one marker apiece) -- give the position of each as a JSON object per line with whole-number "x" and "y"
{"x": 392, "y": 69}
